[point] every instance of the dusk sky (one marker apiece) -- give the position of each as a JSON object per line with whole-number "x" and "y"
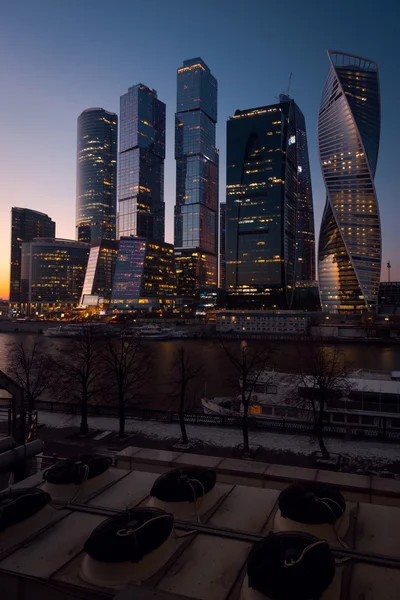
{"x": 59, "y": 57}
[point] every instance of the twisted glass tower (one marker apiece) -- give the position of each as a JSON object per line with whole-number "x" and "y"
{"x": 349, "y": 254}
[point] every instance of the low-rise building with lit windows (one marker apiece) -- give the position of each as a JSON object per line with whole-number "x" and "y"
{"x": 283, "y": 322}
{"x": 52, "y": 275}
{"x": 100, "y": 271}
{"x": 144, "y": 275}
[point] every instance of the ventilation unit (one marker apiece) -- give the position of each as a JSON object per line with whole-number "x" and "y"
{"x": 288, "y": 566}
{"x": 188, "y": 493}
{"x": 129, "y": 547}
{"x": 76, "y": 477}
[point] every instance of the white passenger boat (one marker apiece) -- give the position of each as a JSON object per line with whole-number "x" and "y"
{"x": 372, "y": 401}
{"x": 70, "y": 330}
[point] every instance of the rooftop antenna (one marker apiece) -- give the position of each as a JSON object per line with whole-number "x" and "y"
{"x": 389, "y": 266}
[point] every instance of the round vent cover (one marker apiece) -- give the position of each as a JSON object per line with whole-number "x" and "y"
{"x": 312, "y": 503}
{"x": 129, "y": 536}
{"x": 184, "y": 485}
{"x": 78, "y": 469}
{"x": 272, "y": 568}
{"x": 20, "y": 504}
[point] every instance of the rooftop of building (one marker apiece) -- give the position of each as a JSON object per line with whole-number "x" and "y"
{"x": 59, "y": 242}
{"x": 97, "y": 108}
{"x": 192, "y": 62}
{"x": 206, "y": 558}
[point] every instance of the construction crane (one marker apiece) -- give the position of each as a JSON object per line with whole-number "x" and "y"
{"x": 288, "y": 85}
{"x": 284, "y": 96}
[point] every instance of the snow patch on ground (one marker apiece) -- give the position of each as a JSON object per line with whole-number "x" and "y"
{"x": 224, "y": 437}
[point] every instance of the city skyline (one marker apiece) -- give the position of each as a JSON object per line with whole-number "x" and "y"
{"x": 60, "y": 77}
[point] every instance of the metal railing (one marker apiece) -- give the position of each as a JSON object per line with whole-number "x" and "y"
{"x": 198, "y": 418}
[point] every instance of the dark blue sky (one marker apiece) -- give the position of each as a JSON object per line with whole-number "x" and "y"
{"x": 59, "y": 57}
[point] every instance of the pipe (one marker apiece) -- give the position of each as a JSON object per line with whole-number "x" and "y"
{"x": 6, "y": 443}
{"x": 11, "y": 457}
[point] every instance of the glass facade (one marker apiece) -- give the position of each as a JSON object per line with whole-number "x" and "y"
{"x": 52, "y": 272}
{"x": 100, "y": 270}
{"x": 349, "y": 254}
{"x": 222, "y": 242}
{"x": 26, "y": 224}
{"x": 305, "y": 244}
{"x": 96, "y": 186}
{"x": 144, "y": 275}
{"x": 266, "y": 155}
{"x": 141, "y": 208}
{"x": 196, "y": 209}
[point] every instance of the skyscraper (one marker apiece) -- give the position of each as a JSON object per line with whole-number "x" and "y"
{"x": 26, "y": 224}
{"x": 96, "y": 183}
{"x": 305, "y": 240}
{"x": 267, "y": 173}
{"x": 141, "y": 164}
{"x": 222, "y": 242}
{"x": 196, "y": 209}
{"x": 349, "y": 254}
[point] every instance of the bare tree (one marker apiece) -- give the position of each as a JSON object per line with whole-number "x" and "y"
{"x": 31, "y": 367}
{"x": 249, "y": 365}
{"x": 80, "y": 371}
{"x": 127, "y": 368}
{"x": 185, "y": 370}
{"x": 323, "y": 378}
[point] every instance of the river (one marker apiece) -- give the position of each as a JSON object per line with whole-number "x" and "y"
{"x": 217, "y": 376}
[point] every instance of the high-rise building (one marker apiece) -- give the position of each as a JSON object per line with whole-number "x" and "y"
{"x": 52, "y": 274}
{"x": 267, "y": 173}
{"x": 305, "y": 236}
{"x": 349, "y": 253}
{"x": 222, "y": 242}
{"x": 144, "y": 275}
{"x": 26, "y": 224}
{"x": 96, "y": 183}
{"x": 141, "y": 208}
{"x": 100, "y": 271}
{"x": 196, "y": 209}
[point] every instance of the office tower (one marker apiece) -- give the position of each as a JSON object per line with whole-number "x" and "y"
{"x": 100, "y": 271}
{"x": 144, "y": 275}
{"x": 26, "y": 224}
{"x": 266, "y": 158}
{"x": 196, "y": 209}
{"x": 141, "y": 164}
{"x": 222, "y": 240}
{"x": 96, "y": 182}
{"x": 349, "y": 254}
{"x": 305, "y": 240}
{"x": 52, "y": 274}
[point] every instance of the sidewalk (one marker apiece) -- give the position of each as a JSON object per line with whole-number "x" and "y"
{"x": 60, "y": 433}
